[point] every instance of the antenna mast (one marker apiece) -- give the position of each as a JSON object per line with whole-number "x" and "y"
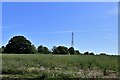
{"x": 72, "y": 42}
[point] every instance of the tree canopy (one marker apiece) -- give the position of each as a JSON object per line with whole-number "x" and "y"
{"x": 71, "y": 50}
{"x": 60, "y": 50}
{"x": 43, "y": 50}
{"x": 19, "y": 44}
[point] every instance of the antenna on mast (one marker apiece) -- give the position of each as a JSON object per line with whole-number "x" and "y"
{"x": 72, "y": 42}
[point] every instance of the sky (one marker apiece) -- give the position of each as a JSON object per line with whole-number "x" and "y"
{"x": 95, "y": 24}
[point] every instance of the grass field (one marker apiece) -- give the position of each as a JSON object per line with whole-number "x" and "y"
{"x": 59, "y": 66}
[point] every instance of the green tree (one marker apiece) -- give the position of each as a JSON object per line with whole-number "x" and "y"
{"x": 71, "y": 50}
{"x": 33, "y": 49}
{"x": 91, "y": 53}
{"x": 60, "y": 50}
{"x": 77, "y": 52}
{"x": 43, "y": 50}
{"x": 46, "y": 50}
{"x": 40, "y": 49}
{"x": 19, "y": 44}
{"x": 103, "y": 54}
{"x": 86, "y": 53}
{"x": 55, "y": 50}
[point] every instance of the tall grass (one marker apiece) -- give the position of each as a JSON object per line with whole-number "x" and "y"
{"x": 38, "y": 63}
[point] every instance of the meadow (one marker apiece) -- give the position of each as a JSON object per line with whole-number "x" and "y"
{"x": 59, "y": 66}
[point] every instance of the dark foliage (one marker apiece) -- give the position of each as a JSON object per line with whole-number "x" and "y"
{"x": 43, "y": 50}
{"x": 19, "y": 44}
{"x": 60, "y": 50}
{"x": 77, "y": 52}
{"x": 86, "y": 53}
{"x": 71, "y": 50}
{"x": 103, "y": 54}
{"x": 91, "y": 53}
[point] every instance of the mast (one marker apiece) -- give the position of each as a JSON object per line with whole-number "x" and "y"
{"x": 72, "y": 42}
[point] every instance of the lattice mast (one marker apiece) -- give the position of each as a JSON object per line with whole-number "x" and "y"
{"x": 72, "y": 42}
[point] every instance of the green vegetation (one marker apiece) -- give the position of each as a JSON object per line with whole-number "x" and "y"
{"x": 21, "y": 59}
{"x": 59, "y": 66}
{"x": 19, "y": 44}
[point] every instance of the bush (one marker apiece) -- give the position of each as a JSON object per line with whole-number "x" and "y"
{"x": 60, "y": 50}
{"x": 43, "y": 50}
{"x": 86, "y": 53}
{"x": 102, "y": 53}
{"x": 71, "y": 50}
{"x": 77, "y": 52}
{"x": 91, "y": 53}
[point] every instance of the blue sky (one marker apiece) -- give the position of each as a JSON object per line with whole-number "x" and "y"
{"x": 95, "y": 24}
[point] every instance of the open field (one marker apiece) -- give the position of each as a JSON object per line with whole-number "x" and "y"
{"x": 59, "y": 66}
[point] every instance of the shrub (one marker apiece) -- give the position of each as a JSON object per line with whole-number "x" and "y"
{"x": 91, "y": 53}
{"x": 60, "y": 50}
{"x": 77, "y": 52}
{"x": 43, "y": 50}
{"x": 86, "y": 53}
{"x": 102, "y": 53}
{"x": 71, "y": 50}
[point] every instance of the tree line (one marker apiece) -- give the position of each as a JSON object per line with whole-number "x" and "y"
{"x": 21, "y": 45}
